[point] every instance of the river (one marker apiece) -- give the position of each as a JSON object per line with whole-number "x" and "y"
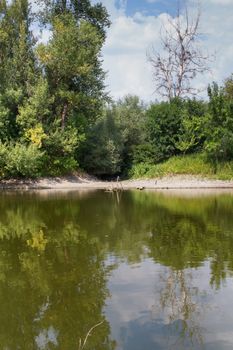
{"x": 132, "y": 270}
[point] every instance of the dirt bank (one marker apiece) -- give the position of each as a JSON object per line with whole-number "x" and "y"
{"x": 86, "y": 182}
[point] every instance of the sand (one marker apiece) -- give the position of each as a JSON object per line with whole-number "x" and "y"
{"x": 86, "y": 182}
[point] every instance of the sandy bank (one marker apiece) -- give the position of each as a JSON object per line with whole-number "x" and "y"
{"x": 79, "y": 182}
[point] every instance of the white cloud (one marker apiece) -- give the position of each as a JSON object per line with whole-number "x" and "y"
{"x": 125, "y": 55}
{"x": 130, "y": 37}
{"x": 222, "y": 2}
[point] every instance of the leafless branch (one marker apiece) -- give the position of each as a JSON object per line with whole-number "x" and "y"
{"x": 82, "y": 344}
{"x": 182, "y": 59}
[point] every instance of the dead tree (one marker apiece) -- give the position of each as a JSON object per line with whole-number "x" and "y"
{"x": 181, "y": 59}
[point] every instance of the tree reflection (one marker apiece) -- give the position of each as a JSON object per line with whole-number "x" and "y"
{"x": 52, "y": 285}
{"x": 180, "y": 305}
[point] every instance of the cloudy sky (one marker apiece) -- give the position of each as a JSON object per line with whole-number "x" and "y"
{"x": 136, "y": 26}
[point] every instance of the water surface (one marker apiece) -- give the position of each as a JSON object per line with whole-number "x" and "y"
{"x": 148, "y": 270}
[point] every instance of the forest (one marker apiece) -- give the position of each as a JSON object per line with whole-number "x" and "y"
{"x": 57, "y": 118}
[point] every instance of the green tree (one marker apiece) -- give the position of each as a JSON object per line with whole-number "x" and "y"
{"x": 95, "y": 14}
{"x": 17, "y": 60}
{"x": 164, "y": 127}
{"x": 219, "y": 142}
{"x": 193, "y": 124}
{"x": 72, "y": 59}
{"x": 129, "y": 114}
{"x": 102, "y": 154}
{"x": 228, "y": 87}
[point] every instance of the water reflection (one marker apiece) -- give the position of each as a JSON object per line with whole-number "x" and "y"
{"x": 152, "y": 271}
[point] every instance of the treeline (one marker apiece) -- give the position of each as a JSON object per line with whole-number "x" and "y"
{"x": 51, "y": 93}
{"x": 132, "y": 137}
{"x": 55, "y": 116}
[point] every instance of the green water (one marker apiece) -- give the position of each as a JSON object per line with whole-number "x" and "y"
{"x": 150, "y": 271}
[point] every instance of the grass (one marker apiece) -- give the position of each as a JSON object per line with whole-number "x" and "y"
{"x": 195, "y": 164}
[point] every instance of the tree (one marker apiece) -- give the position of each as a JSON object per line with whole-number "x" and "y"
{"x": 164, "y": 127}
{"x": 193, "y": 122}
{"x": 129, "y": 114}
{"x": 182, "y": 59}
{"x": 72, "y": 59}
{"x": 95, "y": 14}
{"x": 103, "y": 148}
{"x": 17, "y": 61}
{"x": 219, "y": 126}
{"x": 228, "y": 87}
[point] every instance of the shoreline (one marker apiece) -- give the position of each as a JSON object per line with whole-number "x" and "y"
{"x": 76, "y": 182}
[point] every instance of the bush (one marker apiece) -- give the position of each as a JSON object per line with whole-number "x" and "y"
{"x": 60, "y": 147}
{"x": 22, "y": 161}
{"x": 195, "y": 164}
{"x": 103, "y": 149}
{"x": 3, "y": 162}
{"x": 144, "y": 153}
{"x": 219, "y": 142}
{"x": 164, "y": 128}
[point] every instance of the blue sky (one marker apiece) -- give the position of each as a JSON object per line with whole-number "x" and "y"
{"x": 150, "y": 7}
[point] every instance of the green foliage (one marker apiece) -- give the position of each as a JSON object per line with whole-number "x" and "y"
{"x": 19, "y": 160}
{"x": 144, "y": 153}
{"x": 36, "y": 109}
{"x": 193, "y": 124}
{"x": 53, "y": 104}
{"x": 60, "y": 149}
{"x": 4, "y": 122}
{"x": 95, "y": 14}
{"x": 195, "y": 164}
{"x": 228, "y": 87}
{"x": 103, "y": 149}
{"x": 72, "y": 65}
{"x": 3, "y": 159}
{"x": 129, "y": 114}
{"x": 164, "y": 127}
{"x": 49, "y": 93}
{"x": 219, "y": 140}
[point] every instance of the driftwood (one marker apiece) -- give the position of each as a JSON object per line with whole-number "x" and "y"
{"x": 83, "y": 343}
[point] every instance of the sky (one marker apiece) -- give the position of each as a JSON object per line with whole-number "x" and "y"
{"x": 136, "y": 26}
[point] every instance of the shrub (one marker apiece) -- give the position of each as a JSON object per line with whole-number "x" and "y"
{"x": 3, "y": 156}
{"x": 164, "y": 127}
{"x": 60, "y": 149}
{"x": 23, "y": 161}
{"x": 195, "y": 164}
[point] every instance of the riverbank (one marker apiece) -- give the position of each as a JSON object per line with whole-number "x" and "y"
{"x": 86, "y": 182}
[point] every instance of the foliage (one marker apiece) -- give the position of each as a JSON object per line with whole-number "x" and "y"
{"x": 144, "y": 153}
{"x": 228, "y": 87}
{"x": 60, "y": 149}
{"x": 3, "y": 159}
{"x": 19, "y": 160}
{"x": 72, "y": 65}
{"x": 103, "y": 149}
{"x": 219, "y": 141}
{"x": 50, "y": 93}
{"x": 195, "y": 164}
{"x": 193, "y": 126}
{"x": 55, "y": 115}
{"x": 164, "y": 128}
{"x": 129, "y": 114}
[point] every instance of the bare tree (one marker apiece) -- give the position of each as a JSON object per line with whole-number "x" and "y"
{"x": 182, "y": 59}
